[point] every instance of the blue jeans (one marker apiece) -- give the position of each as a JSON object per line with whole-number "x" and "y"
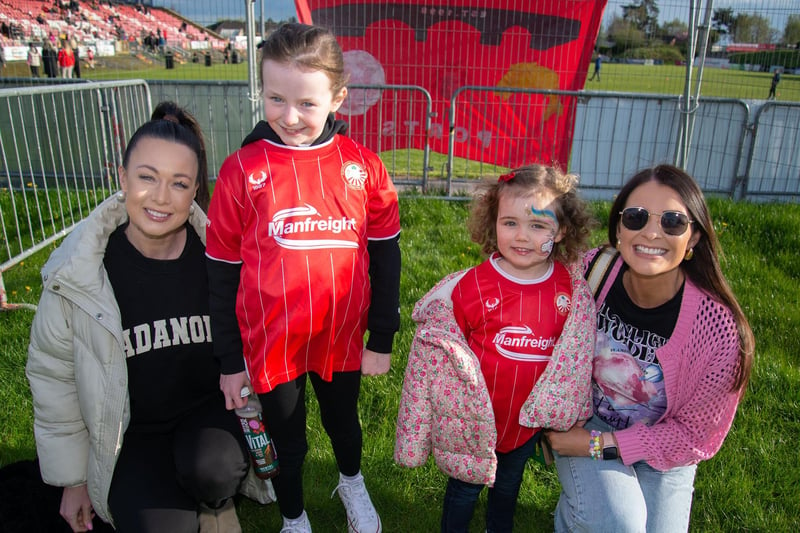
{"x": 460, "y": 497}
{"x": 608, "y": 496}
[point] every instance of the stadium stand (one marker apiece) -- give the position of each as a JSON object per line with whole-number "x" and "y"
{"x": 88, "y": 22}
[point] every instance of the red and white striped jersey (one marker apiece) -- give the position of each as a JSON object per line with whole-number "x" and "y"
{"x": 511, "y": 326}
{"x": 298, "y": 220}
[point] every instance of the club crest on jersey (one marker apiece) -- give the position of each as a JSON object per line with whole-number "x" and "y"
{"x": 520, "y": 343}
{"x": 257, "y": 182}
{"x": 354, "y": 175}
{"x": 491, "y": 304}
{"x": 563, "y": 303}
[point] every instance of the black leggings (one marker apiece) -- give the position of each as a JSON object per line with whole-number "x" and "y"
{"x": 285, "y": 416}
{"x": 161, "y": 478}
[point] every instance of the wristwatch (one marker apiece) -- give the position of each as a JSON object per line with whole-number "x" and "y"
{"x": 610, "y": 452}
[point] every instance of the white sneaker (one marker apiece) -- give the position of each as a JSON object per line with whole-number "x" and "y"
{"x": 296, "y": 525}
{"x": 361, "y": 514}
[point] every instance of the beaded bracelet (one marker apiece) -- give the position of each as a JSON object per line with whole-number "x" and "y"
{"x": 595, "y": 449}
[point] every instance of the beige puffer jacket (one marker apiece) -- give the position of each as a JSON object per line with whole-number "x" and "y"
{"x": 76, "y": 364}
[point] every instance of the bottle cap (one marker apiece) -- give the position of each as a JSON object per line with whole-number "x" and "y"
{"x": 245, "y": 391}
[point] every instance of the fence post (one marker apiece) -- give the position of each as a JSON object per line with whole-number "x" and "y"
{"x": 5, "y": 305}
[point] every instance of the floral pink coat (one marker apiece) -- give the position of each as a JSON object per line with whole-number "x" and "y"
{"x": 445, "y": 406}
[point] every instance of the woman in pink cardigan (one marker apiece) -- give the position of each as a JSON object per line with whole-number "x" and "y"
{"x": 672, "y": 361}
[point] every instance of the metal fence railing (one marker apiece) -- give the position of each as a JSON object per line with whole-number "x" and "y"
{"x": 740, "y": 149}
{"x": 60, "y": 148}
{"x": 224, "y": 112}
{"x": 61, "y": 145}
{"x": 737, "y": 149}
{"x": 772, "y": 166}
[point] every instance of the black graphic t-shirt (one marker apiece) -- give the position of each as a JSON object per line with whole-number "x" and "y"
{"x": 628, "y": 384}
{"x": 166, "y": 330}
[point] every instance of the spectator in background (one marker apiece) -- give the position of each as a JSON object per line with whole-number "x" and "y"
{"x": 150, "y": 42}
{"x": 66, "y": 60}
{"x": 34, "y": 60}
{"x": 90, "y": 57}
{"x": 2, "y": 59}
{"x": 77, "y": 70}
{"x": 598, "y": 61}
{"x": 776, "y": 79}
{"x": 50, "y": 60}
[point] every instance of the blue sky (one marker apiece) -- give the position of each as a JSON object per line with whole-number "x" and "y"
{"x": 209, "y": 11}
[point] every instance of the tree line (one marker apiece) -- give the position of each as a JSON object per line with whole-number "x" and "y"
{"x": 637, "y": 34}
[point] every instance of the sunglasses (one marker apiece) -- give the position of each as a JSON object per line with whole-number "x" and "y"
{"x": 672, "y": 222}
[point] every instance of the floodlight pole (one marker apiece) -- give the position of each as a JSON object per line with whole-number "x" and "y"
{"x": 252, "y": 61}
{"x": 262, "y": 20}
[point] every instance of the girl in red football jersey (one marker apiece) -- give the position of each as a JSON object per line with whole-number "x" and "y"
{"x": 303, "y": 260}
{"x": 502, "y": 349}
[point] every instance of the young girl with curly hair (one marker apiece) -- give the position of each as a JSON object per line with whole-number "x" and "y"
{"x": 502, "y": 349}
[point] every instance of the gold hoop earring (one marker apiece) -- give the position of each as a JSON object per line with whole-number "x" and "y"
{"x": 619, "y": 243}
{"x": 689, "y": 254}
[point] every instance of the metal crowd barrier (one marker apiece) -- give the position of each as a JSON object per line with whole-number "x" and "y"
{"x": 61, "y": 145}
{"x": 60, "y": 148}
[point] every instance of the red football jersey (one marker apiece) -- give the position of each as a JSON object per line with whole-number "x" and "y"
{"x": 298, "y": 219}
{"x": 512, "y": 326}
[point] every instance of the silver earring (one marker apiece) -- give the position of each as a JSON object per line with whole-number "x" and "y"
{"x": 121, "y": 196}
{"x": 191, "y": 210}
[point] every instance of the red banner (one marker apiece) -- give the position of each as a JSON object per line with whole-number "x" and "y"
{"x": 510, "y": 45}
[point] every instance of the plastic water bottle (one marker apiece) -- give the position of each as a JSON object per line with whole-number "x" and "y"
{"x": 262, "y": 451}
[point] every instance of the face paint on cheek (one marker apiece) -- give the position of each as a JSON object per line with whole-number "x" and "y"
{"x": 548, "y": 245}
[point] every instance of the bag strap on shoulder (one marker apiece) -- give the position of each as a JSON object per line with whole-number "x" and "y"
{"x": 599, "y": 269}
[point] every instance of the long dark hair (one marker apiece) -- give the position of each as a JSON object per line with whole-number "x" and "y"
{"x": 171, "y": 122}
{"x": 704, "y": 269}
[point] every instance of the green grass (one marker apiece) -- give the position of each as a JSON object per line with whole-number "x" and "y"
{"x": 659, "y": 79}
{"x": 186, "y": 71}
{"x": 36, "y": 214}
{"x": 670, "y": 79}
{"x": 752, "y": 484}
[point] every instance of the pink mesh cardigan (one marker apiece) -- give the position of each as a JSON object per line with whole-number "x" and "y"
{"x": 699, "y": 362}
